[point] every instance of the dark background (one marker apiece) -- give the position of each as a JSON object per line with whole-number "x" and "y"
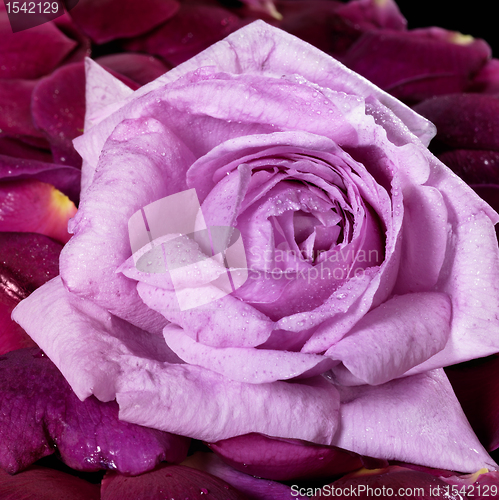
{"x": 478, "y": 18}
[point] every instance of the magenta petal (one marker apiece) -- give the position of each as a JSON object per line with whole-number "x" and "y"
{"x": 43, "y": 483}
{"x": 18, "y": 148}
{"x": 140, "y": 68}
{"x": 106, "y": 20}
{"x": 396, "y": 336}
{"x": 15, "y": 110}
{"x": 168, "y": 482}
{"x": 283, "y": 460}
{"x": 31, "y": 53}
{"x": 476, "y": 385}
{"x": 28, "y": 261}
{"x": 191, "y": 30}
{"x": 41, "y": 414}
{"x": 464, "y": 121}
{"x": 254, "y": 488}
{"x": 64, "y": 178}
{"x": 487, "y": 79}
{"x": 418, "y": 64}
{"x": 58, "y": 107}
{"x": 423, "y": 409}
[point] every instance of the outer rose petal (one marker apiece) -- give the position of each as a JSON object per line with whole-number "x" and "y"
{"x": 397, "y": 335}
{"x": 106, "y": 20}
{"x": 35, "y": 207}
{"x": 251, "y": 50}
{"x": 108, "y": 357}
{"x": 424, "y": 410}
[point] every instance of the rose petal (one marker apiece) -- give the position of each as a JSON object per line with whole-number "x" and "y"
{"x": 254, "y": 488}
{"x": 283, "y": 460}
{"x": 43, "y": 483}
{"x": 106, "y": 20}
{"x": 64, "y": 178}
{"x": 464, "y": 121}
{"x": 474, "y": 166}
{"x": 58, "y": 108}
{"x": 31, "y": 53}
{"x": 417, "y": 64}
{"x": 168, "y": 481}
{"x": 106, "y": 356}
{"x": 191, "y": 30}
{"x": 424, "y": 410}
{"x": 487, "y": 79}
{"x": 28, "y": 261}
{"x": 141, "y": 68}
{"x": 40, "y": 414}
{"x": 394, "y": 337}
{"x": 141, "y": 176}
{"x": 254, "y": 366}
{"x": 269, "y": 46}
{"x": 18, "y": 148}
{"x": 208, "y": 323}
{"x": 33, "y": 206}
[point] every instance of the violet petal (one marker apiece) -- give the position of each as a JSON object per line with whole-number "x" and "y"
{"x": 474, "y": 166}
{"x": 284, "y": 460}
{"x": 424, "y": 409}
{"x": 40, "y": 414}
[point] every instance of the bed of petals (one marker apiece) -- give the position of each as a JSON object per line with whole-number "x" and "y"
{"x": 55, "y": 446}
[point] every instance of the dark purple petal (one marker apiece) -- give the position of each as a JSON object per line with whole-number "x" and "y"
{"x": 27, "y": 261}
{"x": 193, "y": 29}
{"x": 487, "y": 79}
{"x": 58, "y": 107}
{"x": 40, "y": 414}
{"x": 105, "y": 20}
{"x": 64, "y": 178}
{"x": 384, "y": 483}
{"x": 31, "y": 53}
{"x": 168, "y": 481}
{"x": 474, "y": 166}
{"x": 476, "y": 384}
{"x": 141, "y": 68}
{"x": 283, "y": 460}
{"x": 334, "y": 26}
{"x": 43, "y": 483}
{"x": 464, "y": 121}
{"x": 35, "y": 207}
{"x": 18, "y": 148}
{"x": 415, "y": 65}
{"x": 15, "y": 111}
{"x": 69, "y": 28}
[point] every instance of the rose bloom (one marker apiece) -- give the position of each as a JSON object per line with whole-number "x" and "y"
{"x": 370, "y": 265}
